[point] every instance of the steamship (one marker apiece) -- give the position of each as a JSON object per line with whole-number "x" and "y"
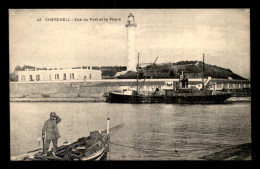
{"x": 180, "y": 95}
{"x": 194, "y": 95}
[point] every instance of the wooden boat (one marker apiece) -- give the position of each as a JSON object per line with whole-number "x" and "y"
{"x": 93, "y": 147}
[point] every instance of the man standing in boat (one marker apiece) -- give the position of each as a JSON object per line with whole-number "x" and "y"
{"x": 52, "y": 132}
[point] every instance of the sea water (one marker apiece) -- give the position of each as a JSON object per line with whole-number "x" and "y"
{"x": 150, "y": 132}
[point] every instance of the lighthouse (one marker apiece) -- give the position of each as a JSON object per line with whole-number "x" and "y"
{"x": 130, "y": 48}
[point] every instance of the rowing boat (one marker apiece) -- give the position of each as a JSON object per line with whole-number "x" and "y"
{"x": 93, "y": 147}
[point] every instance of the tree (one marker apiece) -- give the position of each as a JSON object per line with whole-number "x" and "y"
{"x": 13, "y": 77}
{"x": 17, "y": 68}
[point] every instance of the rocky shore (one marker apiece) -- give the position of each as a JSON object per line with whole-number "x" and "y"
{"x": 239, "y": 152}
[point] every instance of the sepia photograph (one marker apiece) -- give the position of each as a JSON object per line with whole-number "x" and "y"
{"x": 130, "y": 84}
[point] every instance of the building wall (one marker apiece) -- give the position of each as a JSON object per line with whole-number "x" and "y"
{"x": 58, "y": 75}
{"x": 229, "y": 85}
{"x": 225, "y": 86}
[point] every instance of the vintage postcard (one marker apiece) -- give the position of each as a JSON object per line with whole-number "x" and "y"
{"x": 129, "y": 84}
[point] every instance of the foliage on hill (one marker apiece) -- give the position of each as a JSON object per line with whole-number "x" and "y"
{"x": 219, "y": 72}
{"x": 13, "y": 77}
{"x": 110, "y": 71}
{"x": 18, "y": 68}
{"x": 193, "y": 69}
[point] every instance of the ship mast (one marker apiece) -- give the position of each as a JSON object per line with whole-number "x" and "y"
{"x": 203, "y": 73}
{"x": 137, "y": 73}
{"x": 149, "y": 71}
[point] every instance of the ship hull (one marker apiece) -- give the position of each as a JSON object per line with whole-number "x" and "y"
{"x": 210, "y": 99}
{"x": 138, "y": 99}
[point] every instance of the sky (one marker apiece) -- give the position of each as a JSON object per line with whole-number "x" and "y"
{"x": 173, "y": 35}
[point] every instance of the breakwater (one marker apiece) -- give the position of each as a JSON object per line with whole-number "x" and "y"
{"x": 79, "y": 91}
{"x": 61, "y": 90}
{"x": 69, "y": 91}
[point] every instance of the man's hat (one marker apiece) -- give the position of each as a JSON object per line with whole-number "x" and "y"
{"x": 53, "y": 114}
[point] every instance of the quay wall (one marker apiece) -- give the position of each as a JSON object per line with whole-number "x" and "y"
{"x": 73, "y": 89}
{"x": 82, "y": 89}
{"x": 60, "y": 90}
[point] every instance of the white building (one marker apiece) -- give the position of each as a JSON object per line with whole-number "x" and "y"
{"x": 60, "y": 74}
{"x": 227, "y": 84}
{"x": 130, "y": 48}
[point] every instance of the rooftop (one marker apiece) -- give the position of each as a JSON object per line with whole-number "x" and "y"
{"x": 53, "y": 69}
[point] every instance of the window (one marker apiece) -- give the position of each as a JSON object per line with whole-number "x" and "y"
{"x": 23, "y": 78}
{"x": 37, "y": 77}
{"x": 30, "y": 77}
{"x": 85, "y": 77}
{"x": 64, "y": 76}
{"x": 219, "y": 85}
{"x": 57, "y": 76}
{"x": 71, "y": 75}
{"x": 225, "y": 85}
{"x": 90, "y": 76}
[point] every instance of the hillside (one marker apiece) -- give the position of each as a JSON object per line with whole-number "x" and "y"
{"x": 192, "y": 69}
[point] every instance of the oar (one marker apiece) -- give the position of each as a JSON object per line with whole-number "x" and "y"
{"x": 43, "y": 145}
{"x": 113, "y": 128}
{"x": 34, "y": 150}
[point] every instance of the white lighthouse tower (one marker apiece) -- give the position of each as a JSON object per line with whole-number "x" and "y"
{"x": 130, "y": 48}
